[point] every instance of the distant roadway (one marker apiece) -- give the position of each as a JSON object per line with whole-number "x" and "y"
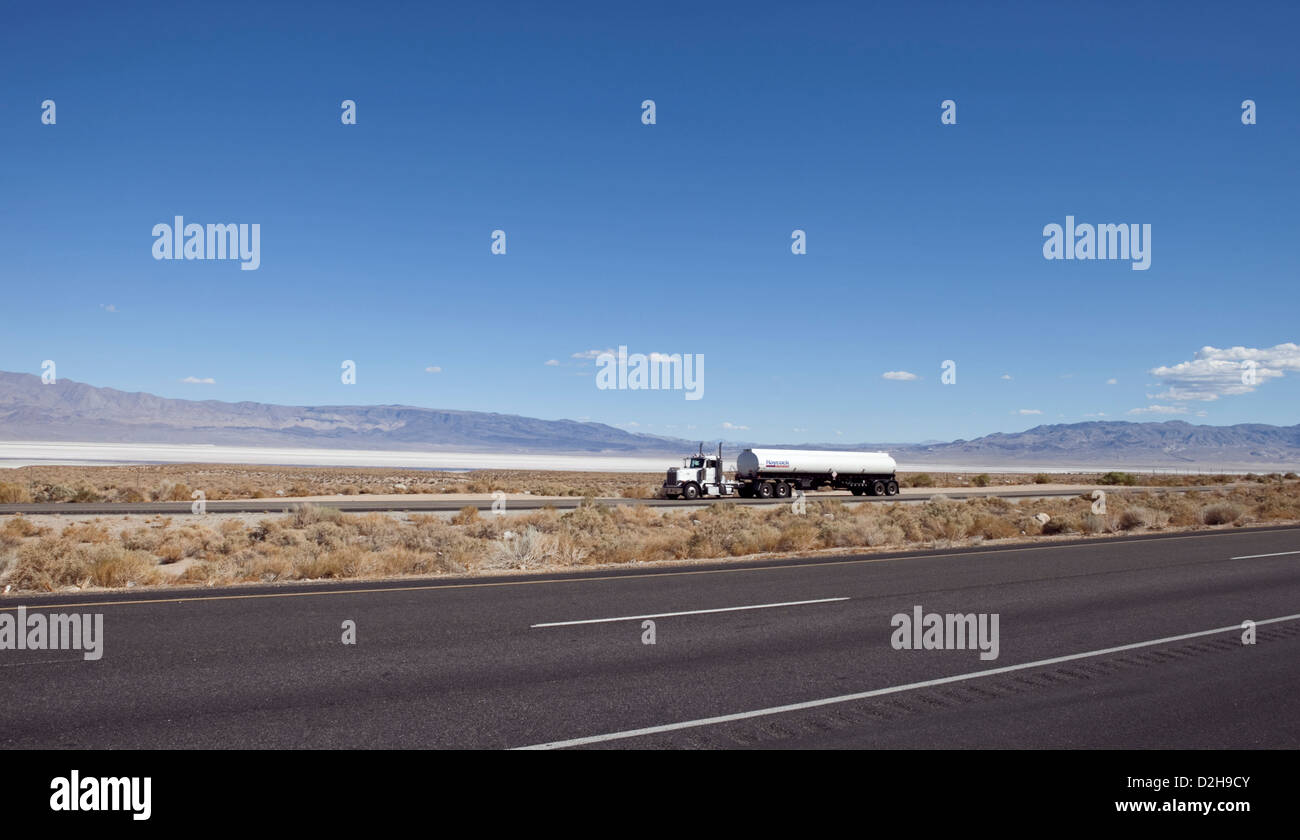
{"x": 516, "y": 502}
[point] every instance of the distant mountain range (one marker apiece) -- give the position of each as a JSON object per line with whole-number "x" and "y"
{"x": 73, "y": 411}
{"x": 1118, "y": 444}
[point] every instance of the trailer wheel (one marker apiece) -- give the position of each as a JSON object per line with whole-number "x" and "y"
{"x": 877, "y": 488}
{"x": 691, "y": 491}
{"x": 764, "y": 490}
{"x": 782, "y": 490}
{"x": 892, "y": 488}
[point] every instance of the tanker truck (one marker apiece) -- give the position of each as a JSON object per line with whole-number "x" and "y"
{"x": 768, "y": 473}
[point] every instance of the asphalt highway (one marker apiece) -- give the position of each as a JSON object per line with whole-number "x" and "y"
{"x": 1123, "y": 642}
{"x": 427, "y": 504}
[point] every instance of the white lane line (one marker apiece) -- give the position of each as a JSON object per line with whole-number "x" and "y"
{"x": 688, "y": 612}
{"x": 863, "y": 695}
{"x": 1253, "y": 556}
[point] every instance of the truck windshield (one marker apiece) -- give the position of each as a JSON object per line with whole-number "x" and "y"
{"x": 695, "y": 463}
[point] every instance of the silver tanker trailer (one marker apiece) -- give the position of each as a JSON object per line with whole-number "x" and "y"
{"x": 768, "y": 473}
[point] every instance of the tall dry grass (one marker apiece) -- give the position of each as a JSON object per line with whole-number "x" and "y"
{"x": 315, "y": 542}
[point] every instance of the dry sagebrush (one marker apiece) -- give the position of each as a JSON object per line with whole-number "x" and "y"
{"x": 323, "y": 543}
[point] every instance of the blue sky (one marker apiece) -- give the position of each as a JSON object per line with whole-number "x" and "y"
{"x": 924, "y": 240}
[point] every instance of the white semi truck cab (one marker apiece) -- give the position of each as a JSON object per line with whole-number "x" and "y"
{"x": 699, "y": 475}
{"x": 768, "y": 473}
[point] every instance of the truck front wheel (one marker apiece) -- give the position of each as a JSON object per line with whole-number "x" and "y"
{"x": 691, "y": 491}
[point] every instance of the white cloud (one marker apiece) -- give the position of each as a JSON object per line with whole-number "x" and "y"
{"x": 734, "y": 427}
{"x": 591, "y": 355}
{"x": 433, "y": 369}
{"x": 631, "y": 424}
{"x": 108, "y": 307}
{"x": 1006, "y": 376}
{"x": 552, "y": 362}
{"x": 1219, "y": 372}
{"x": 194, "y": 380}
{"x": 1112, "y": 381}
{"x": 1029, "y": 411}
{"x": 898, "y": 375}
{"x": 1098, "y": 414}
{"x": 1165, "y": 409}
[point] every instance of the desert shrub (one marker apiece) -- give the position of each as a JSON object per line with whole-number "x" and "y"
{"x": 172, "y": 551}
{"x": 921, "y": 480}
{"x": 51, "y": 493}
{"x": 1042, "y": 478}
{"x": 170, "y": 491}
{"x": 529, "y": 547}
{"x": 798, "y": 536}
{"x": 982, "y": 480}
{"x": 376, "y": 530}
{"x": 992, "y": 527}
{"x": 309, "y": 514}
{"x": 568, "y": 552}
{"x": 1093, "y": 523}
{"x": 1120, "y": 478}
{"x": 13, "y": 494}
{"x": 1142, "y": 517}
{"x": 1278, "y": 505}
{"x": 403, "y": 561}
{"x": 848, "y": 531}
{"x": 48, "y": 563}
{"x": 20, "y": 527}
{"x": 141, "y": 539}
{"x": 467, "y": 515}
{"x": 1062, "y": 525}
{"x": 113, "y": 565}
{"x": 942, "y": 518}
{"x": 340, "y": 563}
{"x": 329, "y": 535}
{"x": 86, "y": 532}
{"x": 1222, "y": 514}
